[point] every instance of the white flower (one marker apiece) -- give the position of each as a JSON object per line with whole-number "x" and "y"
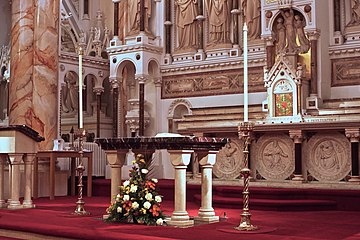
{"x": 160, "y": 221}
{"x": 144, "y": 171}
{"x": 148, "y": 196}
{"x": 134, "y": 205}
{"x": 158, "y": 199}
{"x": 133, "y": 188}
{"x": 118, "y": 197}
{"x": 119, "y": 209}
{"x": 126, "y": 183}
{"x": 154, "y": 180}
{"x": 147, "y": 205}
{"x": 126, "y": 198}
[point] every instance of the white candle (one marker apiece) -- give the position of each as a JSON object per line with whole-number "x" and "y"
{"x": 80, "y": 89}
{"x": 246, "y": 111}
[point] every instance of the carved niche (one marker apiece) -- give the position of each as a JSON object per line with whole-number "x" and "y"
{"x": 229, "y": 160}
{"x": 274, "y": 156}
{"x": 327, "y": 157}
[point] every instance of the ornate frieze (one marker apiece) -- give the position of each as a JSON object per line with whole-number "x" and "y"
{"x": 345, "y": 71}
{"x": 222, "y": 82}
{"x": 327, "y": 157}
{"x": 274, "y": 155}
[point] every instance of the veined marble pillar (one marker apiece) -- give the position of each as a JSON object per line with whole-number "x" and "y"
{"x": 180, "y": 159}
{"x": 116, "y": 159}
{"x": 34, "y": 63}
{"x": 353, "y": 136}
{"x": 3, "y": 159}
{"x": 28, "y": 160}
{"x": 115, "y": 88}
{"x": 206, "y": 211}
{"x": 98, "y": 91}
{"x": 15, "y": 161}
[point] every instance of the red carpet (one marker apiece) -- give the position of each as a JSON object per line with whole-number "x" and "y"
{"x": 54, "y": 218}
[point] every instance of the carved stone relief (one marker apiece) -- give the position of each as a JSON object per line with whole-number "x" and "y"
{"x": 345, "y": 71}
{"x": 229, "y": 160}
{"x": 327, "y": 157}
{"x": 274, "y": 156}
{"x": 221, "y": 82}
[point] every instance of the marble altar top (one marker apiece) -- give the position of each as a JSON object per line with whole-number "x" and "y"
{"x": 31, "y": 133}
{"x": 170, "y": 143}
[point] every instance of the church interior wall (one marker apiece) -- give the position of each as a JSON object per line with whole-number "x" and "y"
{"x": 5, "y": 22}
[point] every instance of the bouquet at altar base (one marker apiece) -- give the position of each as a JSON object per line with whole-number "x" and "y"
{"x": 138, "y": 200}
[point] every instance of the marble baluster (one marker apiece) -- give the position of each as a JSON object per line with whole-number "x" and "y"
{"x": 180, "y": 159}
{"x": 206, "y": 211}
{"x": 3, "y": 159}
{"x": 28, "y": 160}
{"x": 34, "y": 67}
{"x": 15, "y": 161}
{"x": 116, "y": 159}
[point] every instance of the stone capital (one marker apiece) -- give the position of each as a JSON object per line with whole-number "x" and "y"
{"x": 116, "y": 158}
{"x": 98, "y": 90}
{"x": 296, "y": 135}
{"x": 353, "y": 134}
{"x": 314, "y": 35}
{"x": 180, "y": 157}
{"x": 207, "y": 158}
{"x": 157, "y": 81}
{"x": 29, "y": 158}
{"x": 141, "y": 78}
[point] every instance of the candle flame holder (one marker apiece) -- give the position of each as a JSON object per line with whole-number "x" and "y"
{"x": 245, "y": 130}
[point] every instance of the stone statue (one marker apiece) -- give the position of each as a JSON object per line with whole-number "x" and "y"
{"x": 70, "y": 93}
{"x": 280, "y": 36}
{"x": 290, "y": 30}
{"x": 299, "y": 24}
{"x": 355, "y": 12}
{"x": 252, "y": 12}
{"x": 219, "y": 21}
{"x": 186, "y": 12}
{"x": 134, "y": 15}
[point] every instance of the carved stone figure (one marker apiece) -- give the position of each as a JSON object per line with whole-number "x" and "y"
{"x": 299, "y": 26}
{"x": 290, "y": 30}
{"x": 280, "y": 36}
{"x": 327, "y": 157}
{"x": 274, "y": 154}
{"x": 252, "y": 12}
{"x": 134, "y": 15}
{"x": 219, "y": 21}
{"x": 70, "y": 93}
{"x": 186, "y": 23}
{"x": 355, "y": 14}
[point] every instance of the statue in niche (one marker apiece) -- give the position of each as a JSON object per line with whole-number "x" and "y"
{"x": 280, "y": 36}
{"x": 290, "y": 30}
{"x": 274, "y": 154}
{"x": 186, "y": 12}
{"x": 299, "y": 24}
{"x": 134, "y": 15}
{"x": 326, "y": 156}
{"x": 219, "y": 21}
{"x": 252, "y": 13}
{"x": 70, "y": 93}
{"x": 355, "y": 12}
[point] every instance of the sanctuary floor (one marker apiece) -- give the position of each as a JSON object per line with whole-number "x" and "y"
{"x": 54, "y": 218}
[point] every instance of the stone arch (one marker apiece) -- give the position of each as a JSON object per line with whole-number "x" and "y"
{"x": 177, "y": 110}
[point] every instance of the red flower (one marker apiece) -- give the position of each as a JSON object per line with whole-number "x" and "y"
{"x": 150, "y": 184}
{"x": 155, "y": 210}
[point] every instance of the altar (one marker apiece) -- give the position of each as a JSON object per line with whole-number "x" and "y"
{"x": 180, "y": 149}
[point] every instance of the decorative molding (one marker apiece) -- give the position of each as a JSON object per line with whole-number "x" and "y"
{"x": 345, "y": 72}
{"x": 353, "y": 134}
{"x": 178, "y": 102}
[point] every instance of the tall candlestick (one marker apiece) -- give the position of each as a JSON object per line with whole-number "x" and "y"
{"x": 246, "y": 111}
{"x": 80, "y": 89}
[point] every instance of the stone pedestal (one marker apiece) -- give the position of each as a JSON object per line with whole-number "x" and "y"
{"x": 180, "y": 159}
{"x": 15, "y": 161}
{"x": 206, "y": 211}
{"x": 116, "y": 159}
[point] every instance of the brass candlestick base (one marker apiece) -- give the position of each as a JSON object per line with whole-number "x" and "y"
{"x": 245, "y": 130}
{"x": 80, "y": 210}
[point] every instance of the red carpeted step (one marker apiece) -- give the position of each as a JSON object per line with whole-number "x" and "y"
{"x": 271, "y": 204}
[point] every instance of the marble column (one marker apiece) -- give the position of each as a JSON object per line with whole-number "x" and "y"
{"x": 235, "y": 16}
{"x": 297, "y": 136}
{"x": 115, "y": 89}
{"x": 353, "y": 135}
{"x": 3, "y": 159}
{"x": 141, "y": 79}
{"x": 15, "y": 161}
{"x": 28, "y": 160}
{"x": 98, "y": 91}
{"x": 314, "y": 59}
{"x": 206, "y": 211}
{"x": 158, "y": 84}
{"x": 116, "y": 159}
{"x": 180, "y": 159}
{"x": 270, "y": 56}
{"x": 34, "y": 67}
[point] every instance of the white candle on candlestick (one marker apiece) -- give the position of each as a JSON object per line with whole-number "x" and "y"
{"x": 80, "y": 89}
{"x": 246, "y": 111}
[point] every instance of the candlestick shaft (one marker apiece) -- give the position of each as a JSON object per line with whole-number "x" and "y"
{"x": 246, "y": 110}
{"x": 80, "y": 91}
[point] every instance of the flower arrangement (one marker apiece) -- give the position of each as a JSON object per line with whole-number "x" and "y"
{"x": 138, "y": 200}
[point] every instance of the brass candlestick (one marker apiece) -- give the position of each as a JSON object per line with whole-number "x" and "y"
{"x": 80, "y": 210}
{"x": 245, "y": 130}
